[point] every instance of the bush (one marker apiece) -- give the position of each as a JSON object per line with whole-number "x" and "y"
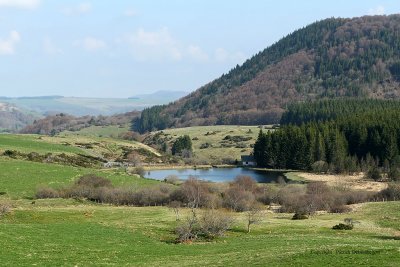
{"x": 340, "y": 209}
{"x": 47, "y": 192}
{"x": 139, "y": 171}
{"x": 210, "y": 225}
{"x": 172, "y": 179}
{"x": 288, "y": 197}
{"x": 394, "y": 174}
{"x": 320, "y": 167}
{"x": 188, "y": 230}
{"x": 268, "y": 195}
{"x": 205, "y": 145}
{"x": 342, "y": 226}
{"x": 238, "y": 199}
{"x": 374, "y": 174}
{"x": 299, "y": 216}
{"x": 194, "y": 192}
{"x": 214, "y": 224}
{"x": 392, "y": 192}
{"x": 92, "y": 180}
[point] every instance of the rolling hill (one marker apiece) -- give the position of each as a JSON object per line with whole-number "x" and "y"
{"x": 336, "y": 57}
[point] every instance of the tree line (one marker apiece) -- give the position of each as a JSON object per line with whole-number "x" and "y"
{"x": 334, "y": 135}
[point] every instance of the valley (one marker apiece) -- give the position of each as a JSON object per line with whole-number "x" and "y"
{"x": 290, "y": 158}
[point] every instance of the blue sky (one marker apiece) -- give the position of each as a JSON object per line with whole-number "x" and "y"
{"x": 104, "y": 48}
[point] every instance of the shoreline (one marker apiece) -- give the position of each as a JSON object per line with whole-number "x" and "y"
{"x": 179, "y": 167}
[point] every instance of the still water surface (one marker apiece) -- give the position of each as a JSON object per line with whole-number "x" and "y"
{"x": 216, "y": 174}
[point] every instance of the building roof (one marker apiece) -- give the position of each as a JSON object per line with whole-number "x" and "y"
{"x": 247, "y": 158}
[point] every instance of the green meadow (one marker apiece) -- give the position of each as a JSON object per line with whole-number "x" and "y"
{"x": 20, "y": 179}
{"x": 34, "y": 143}
{"x": 70, "y": 233}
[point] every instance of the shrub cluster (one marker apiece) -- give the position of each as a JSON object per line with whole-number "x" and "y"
{"x": 342, "y": 226}
{"x": 73, "y": 160}
{"x": 210, "y": 225}
{"x": 242, "y": 194}
{"x": 317, "y": 196}
{"x": 391, "y": 193}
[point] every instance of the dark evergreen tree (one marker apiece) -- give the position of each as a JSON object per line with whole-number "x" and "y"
{"x": 182, "y": 143}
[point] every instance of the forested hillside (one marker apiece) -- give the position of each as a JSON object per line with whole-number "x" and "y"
{"x": 336, "y": 136}
{"x": 357, "y": 57}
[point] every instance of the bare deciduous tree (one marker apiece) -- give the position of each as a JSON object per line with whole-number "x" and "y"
{"x": 176, "y": 206}
{"x": 254, "y": 214}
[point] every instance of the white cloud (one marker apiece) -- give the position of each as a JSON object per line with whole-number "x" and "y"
{"x": 7, "y": 46}
{"x": 81, "y": 8}
{"x": 197, "y": 53}
{"x": 50, "y": 48}
{"x": 156, "y": 45}
{"x": 130, "y": 13}
{"x": 25, "y": 4}
{"x": 91, "y": 44}
{"x": 222, "y": 55}
{"x": 379, "y": 10}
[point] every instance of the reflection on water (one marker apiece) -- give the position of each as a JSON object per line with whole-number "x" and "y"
{"x": 217, "y": 174}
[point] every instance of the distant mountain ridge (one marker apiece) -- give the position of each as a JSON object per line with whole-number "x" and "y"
{"x": 162, "y": 94}
{"x": 336, "y": 57}
{"x": 18, "y": 112}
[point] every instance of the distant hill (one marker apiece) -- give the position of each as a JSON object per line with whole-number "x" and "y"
{"x": 54, "y": 124}
{"x": 358, "y": 57}
{"x": 18, "y": 112}
{"x": 161, "y": 97}
{"x": 13, "y": 118}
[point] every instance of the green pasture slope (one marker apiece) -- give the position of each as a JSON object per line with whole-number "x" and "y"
{"x": 214, "y": 136}
{"x": 99, "y": 131}
{"x": 20, "y": 179}
{"x": 34, "y": 143}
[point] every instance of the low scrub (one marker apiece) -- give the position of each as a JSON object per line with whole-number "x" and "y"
{"x": 342, "y": 226}
{"x": 47, "y": 192}
{"x": 241, "y": 195}
{"x": 317, "y": 196}
{"x": 391, "y": 193}
{"x": 299, "y": 216}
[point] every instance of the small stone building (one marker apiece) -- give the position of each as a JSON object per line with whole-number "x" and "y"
{"x": 248, "y": 161}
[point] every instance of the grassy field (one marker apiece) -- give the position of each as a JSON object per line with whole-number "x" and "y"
{"x": 68, "y": 233}
{"x": 36, "y": 143}
{"x": 104, "y": 147}
{"x": 218, "y": 148}
{"x": 20, "y": 179}
{"x": 98, "y": 131}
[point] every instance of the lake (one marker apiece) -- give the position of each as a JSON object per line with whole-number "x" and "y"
{"x": 217, "y": 174}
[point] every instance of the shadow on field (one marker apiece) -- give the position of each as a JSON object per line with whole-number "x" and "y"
{"x": 386, "y": 237}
